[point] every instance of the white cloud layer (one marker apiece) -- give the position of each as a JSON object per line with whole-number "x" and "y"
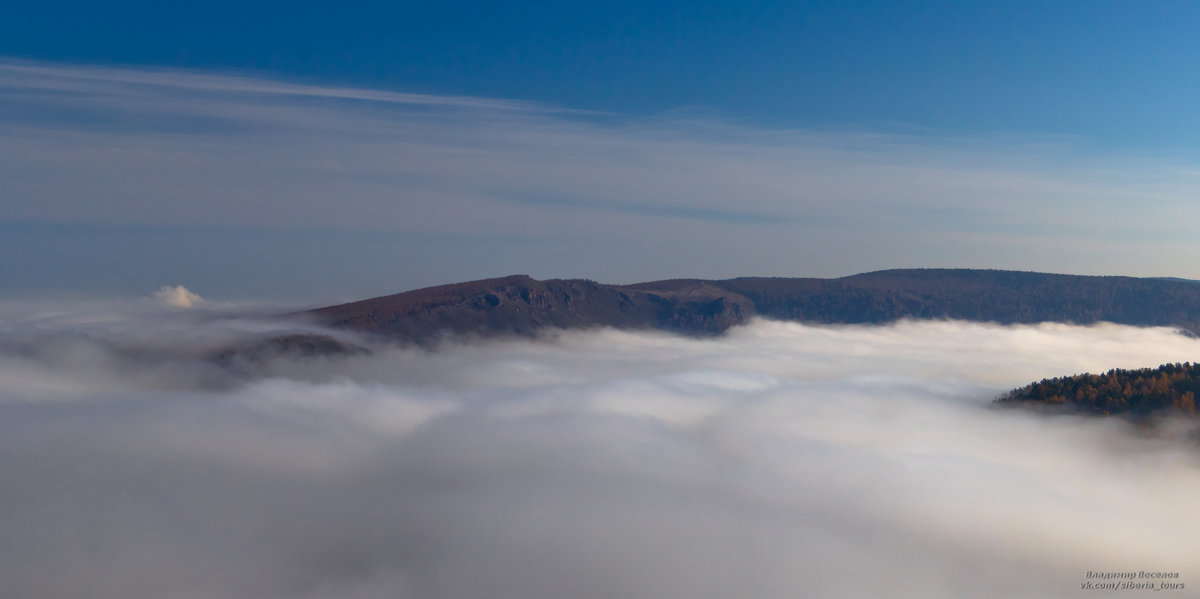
{"x": 480, "y": 187}
{"x": 780, "y": 460}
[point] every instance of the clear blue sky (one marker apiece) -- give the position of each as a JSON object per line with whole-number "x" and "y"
{"x": 1088, "y": 86}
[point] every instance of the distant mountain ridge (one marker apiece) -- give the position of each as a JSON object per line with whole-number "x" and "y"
{"x": 521, "y": 305}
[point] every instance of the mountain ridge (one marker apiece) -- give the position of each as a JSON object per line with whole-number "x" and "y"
{"x": 521, "y": 305}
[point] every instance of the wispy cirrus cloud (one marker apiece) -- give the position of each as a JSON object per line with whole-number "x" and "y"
{"x": 118, "y": 81}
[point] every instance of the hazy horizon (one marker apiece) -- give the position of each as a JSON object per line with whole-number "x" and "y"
{"x": 123, "y": 179}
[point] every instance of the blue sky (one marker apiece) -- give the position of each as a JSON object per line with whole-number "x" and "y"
{"x": 320, "y": 152}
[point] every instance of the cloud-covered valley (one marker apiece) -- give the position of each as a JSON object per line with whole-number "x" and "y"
{"x": 779, "y": 460}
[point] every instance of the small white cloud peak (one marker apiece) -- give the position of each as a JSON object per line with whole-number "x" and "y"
{"x": 178, "y": 297}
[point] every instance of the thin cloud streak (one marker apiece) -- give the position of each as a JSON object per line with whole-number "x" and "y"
{"x": 48, "y": 77}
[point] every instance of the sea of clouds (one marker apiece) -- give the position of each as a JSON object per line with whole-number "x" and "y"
{"x": 777, "y": 461}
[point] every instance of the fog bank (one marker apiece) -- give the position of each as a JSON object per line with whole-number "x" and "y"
{"x": 780, "y": 460}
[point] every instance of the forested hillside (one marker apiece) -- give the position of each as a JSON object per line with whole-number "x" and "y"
{"x": 1170, "y": 387}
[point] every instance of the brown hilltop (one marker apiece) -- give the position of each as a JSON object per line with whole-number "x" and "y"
{"x": 520, "y": 305}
